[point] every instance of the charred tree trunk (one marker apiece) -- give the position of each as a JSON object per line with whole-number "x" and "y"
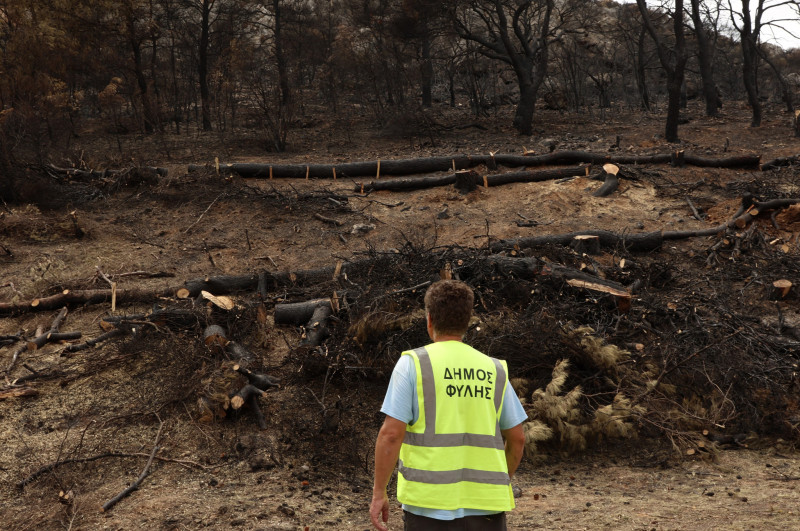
{"x": 705, "y": 62}
{"x": 202, "y": 68}
{"x": 490, "y": 180}
{"x": 404, "y": 167}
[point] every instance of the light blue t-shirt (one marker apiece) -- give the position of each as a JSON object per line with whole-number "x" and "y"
{"x": 401, "y": 403}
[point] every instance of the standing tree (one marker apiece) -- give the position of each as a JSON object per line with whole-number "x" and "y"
{"x": 705, "y": 53}
{"x": 518, "y": 34}
{"x": 748, "y": 25}
{"x": 673, "y": 61}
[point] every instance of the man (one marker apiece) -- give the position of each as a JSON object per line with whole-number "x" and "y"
{"x": 454, "y": 422}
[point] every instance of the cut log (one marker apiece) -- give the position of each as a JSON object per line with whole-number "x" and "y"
{"x": 244, "y": 394}
{"x": 611, "y": 181}
{"x": 89, "y": 296}
{"x": 586, "y": 244}
{"x": 214, "y": 335}
{"x": 116, "y": 332}
{"x": 530, "y": 268}
{"x": 317, "y": 329}
{"x": 459, "y": 162}
{"x": 418, "y": 183}
{"x": 298, "y": 313}
{"x": 350, "y": 169}
{"x": 52, "y": 337}
{"x": 780, "y": 289}
{"x": 623, "y": 297}
{"x": 647, "y": 241}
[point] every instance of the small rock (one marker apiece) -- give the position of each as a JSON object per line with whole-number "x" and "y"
{"x": 517, "y": 492}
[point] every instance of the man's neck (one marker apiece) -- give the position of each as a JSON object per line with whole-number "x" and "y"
{"x": 438, "y": 338}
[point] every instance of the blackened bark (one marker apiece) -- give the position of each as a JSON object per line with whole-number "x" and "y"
{"x": 202, "y": 70}
{"x": 704, "y": 57}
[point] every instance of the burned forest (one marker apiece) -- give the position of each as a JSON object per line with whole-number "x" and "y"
{"x": 218, "y": 221}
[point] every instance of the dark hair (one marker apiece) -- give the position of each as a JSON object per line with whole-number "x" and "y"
{"x": 449, "y": 303}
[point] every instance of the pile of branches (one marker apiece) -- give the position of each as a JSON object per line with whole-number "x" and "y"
{"x": 683, "y": 358}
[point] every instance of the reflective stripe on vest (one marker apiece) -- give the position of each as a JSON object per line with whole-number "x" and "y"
{"x": 453, "y": 476}
{"x": 429, "y": 438}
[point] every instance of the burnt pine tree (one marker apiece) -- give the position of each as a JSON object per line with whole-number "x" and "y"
{"x": 518, "y": 34}
{"x": 673, "y": 61}
{"x": 705, "y": 59}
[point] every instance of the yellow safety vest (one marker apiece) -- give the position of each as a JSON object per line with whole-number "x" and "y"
{"x": 453, "y": 456}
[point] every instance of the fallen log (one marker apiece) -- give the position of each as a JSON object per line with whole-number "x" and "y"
{"x": 243, "y": 395}
{"x": 348, "y": 169}
{"x": 644, "y": 242}
{"x": 83, "y": 297}
{"x": 313, "y": 314}
{"x": 298, "y": 313}
{"x": 117, "y": 332}
{"x": 400, "y": 167}
{"x": 497, "y": 179}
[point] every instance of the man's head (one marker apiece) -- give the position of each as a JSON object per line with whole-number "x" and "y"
{"x": 448, "y": 304}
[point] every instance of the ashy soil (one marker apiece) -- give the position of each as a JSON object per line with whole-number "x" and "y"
{"x": 97, "y": 413}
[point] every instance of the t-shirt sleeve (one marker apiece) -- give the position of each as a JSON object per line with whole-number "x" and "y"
{"x": 401, "y": 394}
{"x": 513, "y": 413}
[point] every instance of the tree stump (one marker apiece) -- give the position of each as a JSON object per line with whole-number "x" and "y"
{"x": 586, "y": 244}
{"x": 611, "y": 181}
{"x": 466, "y": 181}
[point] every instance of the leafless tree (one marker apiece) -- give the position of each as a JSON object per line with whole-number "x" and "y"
{"x": 704, "y": 16}
{"x": 518, "y": 34}
{"x": 673, "y": 60}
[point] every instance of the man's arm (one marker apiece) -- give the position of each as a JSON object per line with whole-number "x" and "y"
{"x": 387, "y": 450}
{"x": 515, "y": 445}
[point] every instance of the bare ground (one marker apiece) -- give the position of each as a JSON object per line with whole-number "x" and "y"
{"x": 230, "y": 474}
